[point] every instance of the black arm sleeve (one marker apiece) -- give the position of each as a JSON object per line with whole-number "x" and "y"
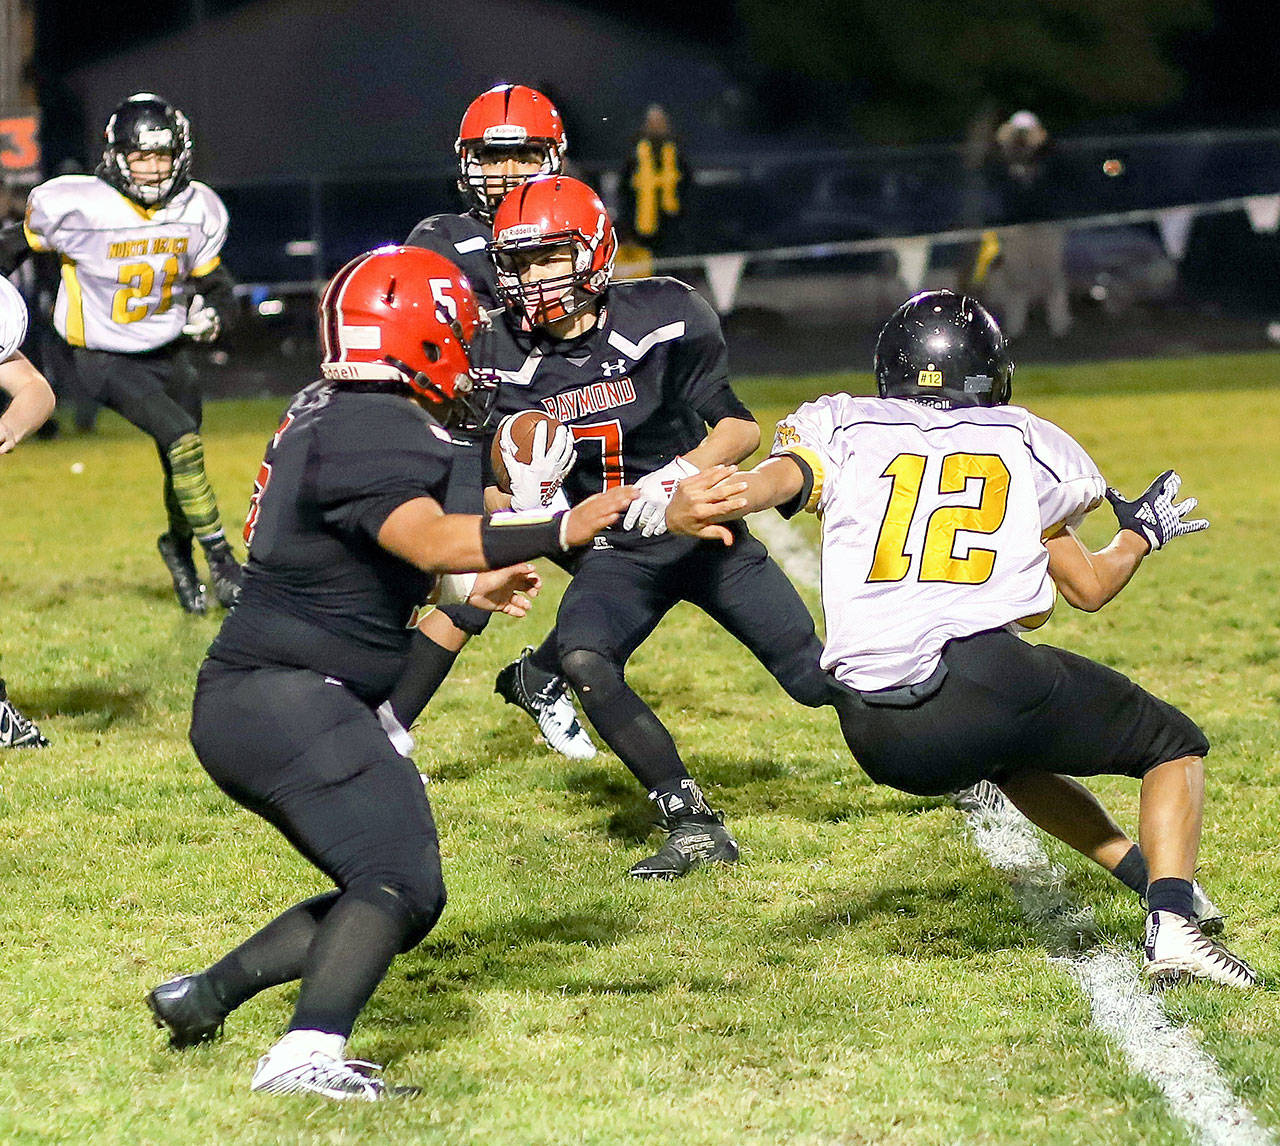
{"x": 13, "y": 248}
{"x": 218, "y": 290}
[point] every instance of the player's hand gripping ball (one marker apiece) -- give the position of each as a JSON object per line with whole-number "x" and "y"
{"x": 531, "y": 454}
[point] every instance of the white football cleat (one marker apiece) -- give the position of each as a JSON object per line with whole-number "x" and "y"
{"x": 1209, "y": 917}
{"x": 304, "y": 1062}
{"x": 549, "y": 705}
{"x": 1176, "y": 949}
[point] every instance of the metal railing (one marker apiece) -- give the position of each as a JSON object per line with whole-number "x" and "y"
{"x": 287, "y": 230}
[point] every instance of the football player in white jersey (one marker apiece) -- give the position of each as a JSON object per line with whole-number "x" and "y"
{"x": 948, "y": 521}
{"x": 140, "y": 245}
{"x": 30, "y": 403}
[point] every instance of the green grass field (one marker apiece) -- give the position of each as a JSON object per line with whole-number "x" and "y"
{"x": 862, "y": 976}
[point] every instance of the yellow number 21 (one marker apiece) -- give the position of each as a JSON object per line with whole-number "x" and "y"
{"x": 132, "y": 302}
{"x": 938, "y": 561}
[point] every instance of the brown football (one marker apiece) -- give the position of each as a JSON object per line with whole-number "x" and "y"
{"x": 523, "y": 426}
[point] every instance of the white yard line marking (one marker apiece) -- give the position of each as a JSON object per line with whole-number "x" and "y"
{"x": 1121, "y": 1007}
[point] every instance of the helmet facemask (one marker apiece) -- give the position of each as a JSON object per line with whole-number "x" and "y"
{"x": 547, "y": 300}
{"x": 147, "y": 127}
{"x": 483, "y": 192}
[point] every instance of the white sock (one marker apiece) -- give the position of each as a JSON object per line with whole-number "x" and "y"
{"x": 303, "y": 1044}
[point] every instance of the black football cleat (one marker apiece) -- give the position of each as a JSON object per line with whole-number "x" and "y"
{"x": 225, "y": 574}
{"x": 176, "y": 552}
{"x": 16, "y": 731}
{"x": 696, "y": 835}
{"x": 189, "y": 1009}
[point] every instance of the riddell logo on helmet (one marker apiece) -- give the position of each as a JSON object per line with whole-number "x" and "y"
{"x": 929, "y": 378}
{"x": 508, "y": 133}
{"x": 519, "y": 231}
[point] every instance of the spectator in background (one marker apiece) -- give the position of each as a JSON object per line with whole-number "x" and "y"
{"x": 655, "y": 188}
{"x": 1031, "y": 271}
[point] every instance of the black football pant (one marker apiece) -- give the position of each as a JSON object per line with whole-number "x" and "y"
{"x": 618, "y": 597}
{"x": 155, "y": 390}
{"x": 1006, "y": 707}
{"x": 307, "y": 755}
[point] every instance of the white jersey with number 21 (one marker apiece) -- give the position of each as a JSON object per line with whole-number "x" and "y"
{"x": 125, "y": 268}
{"x": 932, "y": 524}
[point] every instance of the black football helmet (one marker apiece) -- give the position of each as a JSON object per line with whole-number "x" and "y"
{"x": 145, "y": 122}
{"x": 944, "y": 350}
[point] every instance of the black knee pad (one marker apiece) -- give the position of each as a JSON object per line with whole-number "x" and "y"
{"x": 592, "y": 672}
{"x": 417, "y": 901}
{"x": 467, "y": 618}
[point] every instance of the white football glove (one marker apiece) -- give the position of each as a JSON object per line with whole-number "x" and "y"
{"x": 1155, "y": 515}
{"x": 536, "y": 482}
{"x": 649, "y": 510}
{"x": 203, "y": 322}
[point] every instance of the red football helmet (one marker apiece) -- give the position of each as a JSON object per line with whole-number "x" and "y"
{"x": 507, "y": 118}
{"x": 547, "y": 212}
{"x": 408, "y": 315}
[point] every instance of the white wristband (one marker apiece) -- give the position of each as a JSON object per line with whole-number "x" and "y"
{"x": 455, "y": 588}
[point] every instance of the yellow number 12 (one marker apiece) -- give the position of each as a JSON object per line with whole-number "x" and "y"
{"x": 938, "y": 561}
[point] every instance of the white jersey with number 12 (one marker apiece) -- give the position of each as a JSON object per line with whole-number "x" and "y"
{"x": 932, "y": 524}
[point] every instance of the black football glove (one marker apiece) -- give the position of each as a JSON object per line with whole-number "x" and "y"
{"x": 1155, "y": 515}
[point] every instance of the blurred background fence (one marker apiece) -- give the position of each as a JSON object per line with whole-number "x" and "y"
{"x": 805, "y": 254}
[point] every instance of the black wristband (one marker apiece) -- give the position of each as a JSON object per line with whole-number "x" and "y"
{"x": 509, "y": 538}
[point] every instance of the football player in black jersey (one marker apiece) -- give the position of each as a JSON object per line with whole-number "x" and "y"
{"x": 291, "y": 720}
{"x": 638, "y": 372}
{"x": 508, "y": 135}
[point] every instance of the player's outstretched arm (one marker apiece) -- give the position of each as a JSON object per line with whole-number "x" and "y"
{"x": 32, "y": 401}
{"x": 420, "y": 532}
{"x": 1089, "y": 580}
{"x": 730, "y": 440}
{"x": 509, "y": 590}
{"x": 722, "y": 493}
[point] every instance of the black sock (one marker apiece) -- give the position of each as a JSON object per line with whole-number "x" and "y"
{"x": 546, "y": 659}
{"x": 425, "y": 669}
{"x": 1170, "y": 895}
{"x": 683, "y": 800}
{"x": 274, "y": 955}
{"x": 1132, "y": 870}
{"x": 633, "y": 731}
{"x": 624, "y": 721}
{"x": 350, "y": 955}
